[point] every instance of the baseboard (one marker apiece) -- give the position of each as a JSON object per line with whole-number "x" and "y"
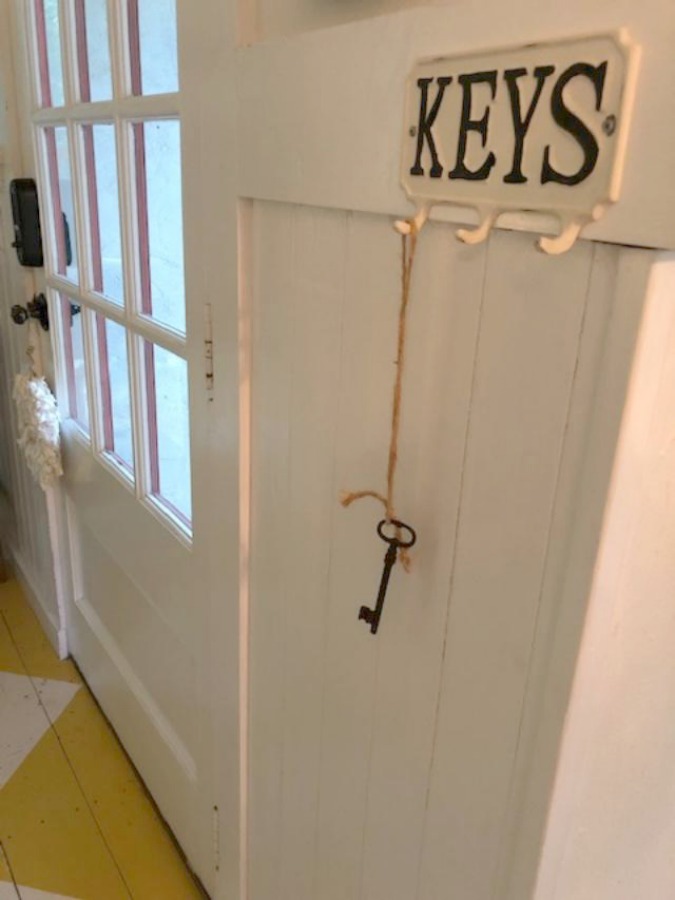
{"x": 57, "y": 636}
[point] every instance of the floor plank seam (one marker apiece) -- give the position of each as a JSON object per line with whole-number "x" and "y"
{"x": 4, "y": 857}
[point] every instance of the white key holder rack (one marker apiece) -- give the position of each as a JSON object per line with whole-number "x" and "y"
{"x": 540, "y": 128}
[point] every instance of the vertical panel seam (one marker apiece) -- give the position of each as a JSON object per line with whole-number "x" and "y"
{"x": 371, "y": 744}
{"x": 451, "y": 579}
{"x": 293, "y": 237}
{"x": 329, "y": 568}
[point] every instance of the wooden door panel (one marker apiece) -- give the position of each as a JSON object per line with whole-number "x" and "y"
{"x": 136, "y": 547}
{"x": 122, "y": 646}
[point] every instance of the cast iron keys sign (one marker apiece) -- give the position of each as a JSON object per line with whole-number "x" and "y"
{"x": 539, "y": 128}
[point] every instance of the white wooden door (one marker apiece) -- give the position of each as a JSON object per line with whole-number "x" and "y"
{"x": 129, "y": 327}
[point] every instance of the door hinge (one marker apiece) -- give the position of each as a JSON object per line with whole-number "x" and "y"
{"x": 208, "y": 350}
{"x": 216, "y": 839}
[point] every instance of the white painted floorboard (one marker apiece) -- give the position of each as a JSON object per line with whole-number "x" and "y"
{"x": 10, "y": 892}
{"x": 30, "y": 717}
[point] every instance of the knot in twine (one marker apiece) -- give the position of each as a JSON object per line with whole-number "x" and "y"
{"x": 408, "y": 246}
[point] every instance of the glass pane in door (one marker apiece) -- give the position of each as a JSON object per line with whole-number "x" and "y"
{"x": 93, "y": 50}
{"x": 169, "y": 429}
{"x": 160, "y": 221}
{"x": 48, "y": 45}
{"x": 115, "y": 391}
{"x": 63, "y": 208}
{"x": 100, "y": 156}
{"x": 153, "y": 50}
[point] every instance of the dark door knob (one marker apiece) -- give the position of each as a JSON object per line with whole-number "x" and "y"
{"x": 37, "y": 309}
{"x": 19, "y": 314}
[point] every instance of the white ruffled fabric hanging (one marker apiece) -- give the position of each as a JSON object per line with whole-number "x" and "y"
{"x": 38, "y": 421}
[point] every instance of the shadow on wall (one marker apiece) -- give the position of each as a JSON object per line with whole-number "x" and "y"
{"x": 275, "y": 19}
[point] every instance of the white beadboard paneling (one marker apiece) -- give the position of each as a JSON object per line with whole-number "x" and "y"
{"x": 348, "y": 797}
{"x": 270, "y": 436}
{"x": 445, "y": 314}
{"x": 320, "y": 240}
{"x": 349, "y": 667}
{"x": 308, "y": 296}
{"x": 527, "y": 357}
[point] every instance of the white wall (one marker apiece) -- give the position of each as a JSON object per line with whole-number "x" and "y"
{"x": 273, "y": 18}
{"x": 611, "y": 827}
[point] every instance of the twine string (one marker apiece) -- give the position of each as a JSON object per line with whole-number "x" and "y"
{"x": 408, "y": 247}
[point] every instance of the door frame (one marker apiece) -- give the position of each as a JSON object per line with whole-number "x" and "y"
{"x": 209, "y": 31}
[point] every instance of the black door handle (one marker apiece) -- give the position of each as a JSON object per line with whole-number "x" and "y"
{"x": 36, "y": 308}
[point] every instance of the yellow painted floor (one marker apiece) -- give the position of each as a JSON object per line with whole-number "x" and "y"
{"x": 75, "y": 821}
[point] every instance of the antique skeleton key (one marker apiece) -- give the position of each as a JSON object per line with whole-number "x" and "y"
{"x": 395, "y": 543}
